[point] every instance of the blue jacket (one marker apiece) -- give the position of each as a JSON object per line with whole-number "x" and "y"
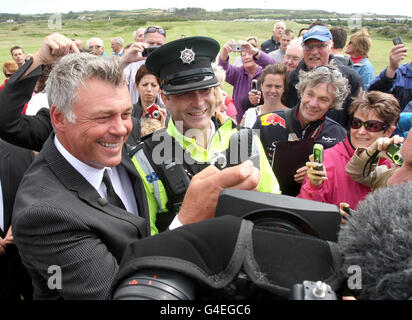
{"x": 365, "y": 70}
{"x": 400, "y": 86}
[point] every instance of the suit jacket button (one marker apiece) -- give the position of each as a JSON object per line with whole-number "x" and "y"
{"x": 102, "y": 201}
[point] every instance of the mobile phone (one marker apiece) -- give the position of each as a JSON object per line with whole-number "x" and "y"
{"x": 397, "y": 40}
{"x": 349, "y": 211}
{"x": 236, "y": 47}
{"x": 153, "y": 111}
{"x": 318, "y": 155}
{"x": 149, "y": 50}
{"x": 254, "y": 85}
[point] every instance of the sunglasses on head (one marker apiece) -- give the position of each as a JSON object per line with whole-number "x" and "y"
{"x": 335, "y": 72}
{"x": 155, "y": 29}
{"x": 370, "y": 125}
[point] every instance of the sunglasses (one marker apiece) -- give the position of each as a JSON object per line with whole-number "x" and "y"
{"x": 370, "y": 125}
{"x": 335, "y": 72}
{"x": 155, "y": 29}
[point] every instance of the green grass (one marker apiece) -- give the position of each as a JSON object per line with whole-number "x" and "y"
{"x": 30, "y": 35}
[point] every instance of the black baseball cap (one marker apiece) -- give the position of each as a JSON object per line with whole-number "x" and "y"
{"x": 185, "y": 64}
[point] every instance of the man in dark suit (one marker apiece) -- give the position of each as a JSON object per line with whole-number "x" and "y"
{"x": 82, "y": 201}
{"x": 15, "y": 282}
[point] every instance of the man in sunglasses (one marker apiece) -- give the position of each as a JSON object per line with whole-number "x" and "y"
{"x": 288, "y": 135}
{"x": 317, "y": 51}
{"x": 153, "y": 36}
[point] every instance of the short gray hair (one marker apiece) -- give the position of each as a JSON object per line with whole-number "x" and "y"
{"x": 72, "y": 71}
{"x": 118, "y": 40}
{"x": 98, "y": 41}
{"x": 325, "y": 74}
{"x": 220, "y": 73}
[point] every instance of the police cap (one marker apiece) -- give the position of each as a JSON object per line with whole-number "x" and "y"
{"x": 185, "y": 64}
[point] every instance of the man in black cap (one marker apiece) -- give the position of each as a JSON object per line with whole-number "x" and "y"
{"x": 193, "y": 139}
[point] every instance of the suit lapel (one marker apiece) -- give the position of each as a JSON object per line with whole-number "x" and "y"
{"x": 74, "y": 181}
{"x": 138, "y": 188}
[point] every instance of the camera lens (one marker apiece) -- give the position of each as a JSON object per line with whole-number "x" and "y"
{"x": 156, "y": 285}
{"x": 156, "y": 114}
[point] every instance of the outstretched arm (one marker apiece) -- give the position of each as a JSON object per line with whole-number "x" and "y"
{"x": 30, "y": 131}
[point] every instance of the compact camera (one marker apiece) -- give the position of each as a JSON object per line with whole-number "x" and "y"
{"x": 394, "y": 153}
{"x": 236, "y": 47}
{"x": 148, "y": 50}
{"x": 153, "y": 111}
{"x": 310, "y": 290}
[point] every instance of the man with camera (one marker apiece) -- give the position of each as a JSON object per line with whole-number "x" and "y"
{"x": 153, "y": 36}
{"x": 193, "y": 138}
{"x": 396, "y": 78}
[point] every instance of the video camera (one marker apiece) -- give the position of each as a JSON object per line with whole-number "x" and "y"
{"x": 259, "y": 246}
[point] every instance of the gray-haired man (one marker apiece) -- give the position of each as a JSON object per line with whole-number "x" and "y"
{"x": 289, "y": 134}
{"x": 82, "y": 201}
{"x": 317, "y": 51}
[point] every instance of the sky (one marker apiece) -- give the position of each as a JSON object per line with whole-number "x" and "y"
{"x": 401, "y": 7}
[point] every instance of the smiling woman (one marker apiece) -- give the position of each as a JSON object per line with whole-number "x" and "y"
{"x": 373, "y": 115}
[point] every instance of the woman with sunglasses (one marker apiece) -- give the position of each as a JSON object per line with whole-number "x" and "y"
{"x": 373, "y": 115}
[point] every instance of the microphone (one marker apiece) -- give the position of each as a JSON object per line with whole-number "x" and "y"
{"x": 378, "y": 239}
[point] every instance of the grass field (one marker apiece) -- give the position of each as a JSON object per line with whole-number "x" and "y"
{"x": 30, "y": 35}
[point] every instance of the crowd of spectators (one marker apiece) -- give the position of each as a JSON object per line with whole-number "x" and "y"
{"x": 81, "y": 116}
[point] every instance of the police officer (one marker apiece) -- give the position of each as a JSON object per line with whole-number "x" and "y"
{"x": 193, "y": 138}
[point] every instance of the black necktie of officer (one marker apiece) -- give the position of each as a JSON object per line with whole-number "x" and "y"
{"x": 112, "y": 196}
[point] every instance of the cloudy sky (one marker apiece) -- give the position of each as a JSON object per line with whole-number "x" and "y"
{"x": 403, "y": 7}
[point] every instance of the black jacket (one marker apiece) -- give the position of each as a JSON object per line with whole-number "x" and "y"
{"x": 14, "y": 278}
{"x": 331, "y": 132}
{"x": 355, "y": 82}
{"x": 270, "y": 45}
{"x": 31, "y": 132}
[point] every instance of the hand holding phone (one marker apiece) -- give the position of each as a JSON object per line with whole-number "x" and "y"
{"x": 318, "y": 155}
{"x": 254, "y": 86}
{"x": 397, "y": 40}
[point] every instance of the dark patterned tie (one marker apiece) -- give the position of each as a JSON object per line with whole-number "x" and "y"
{"x": 112, "y": 196}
